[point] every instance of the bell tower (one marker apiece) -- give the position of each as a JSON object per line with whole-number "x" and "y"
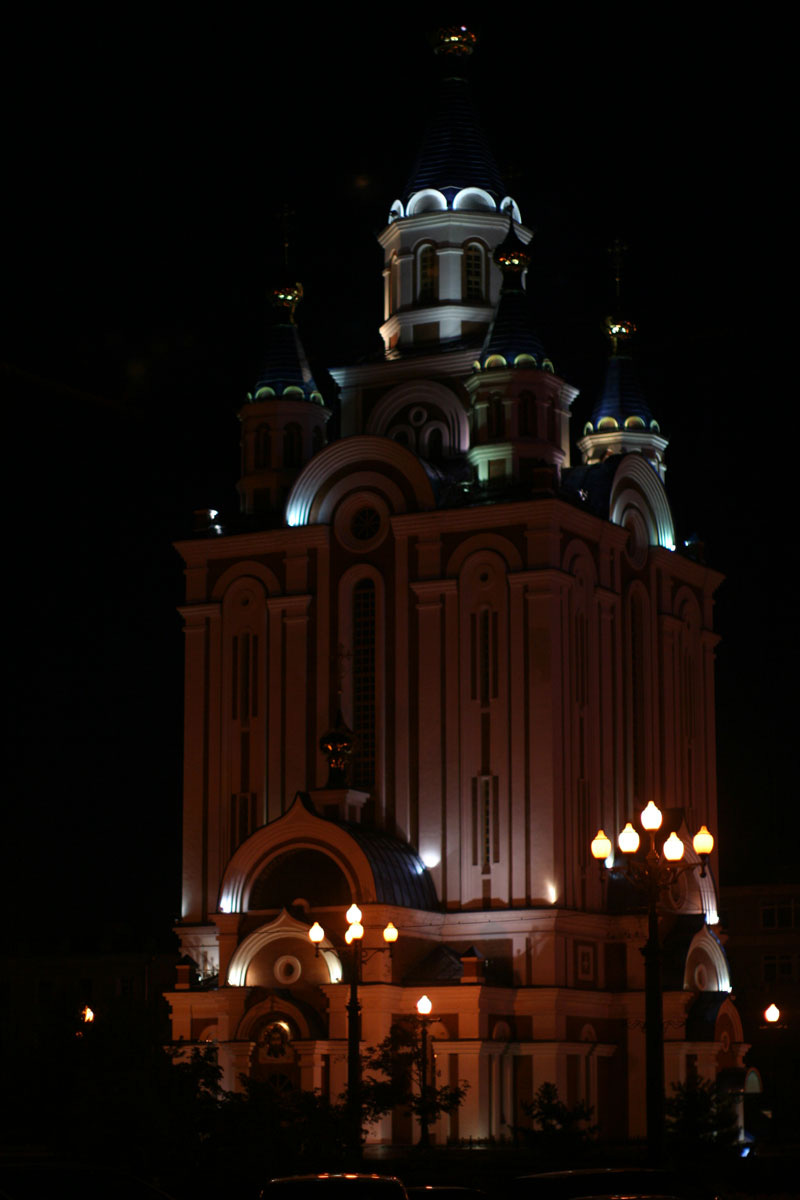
{"x": 440, "y": 285}
{"x": 621, "y": 420}
{"x": 519, "y": 408}
{"x": 284, "y": 419}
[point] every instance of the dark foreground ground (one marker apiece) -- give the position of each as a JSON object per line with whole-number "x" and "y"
{"x": 35, "y": 1175}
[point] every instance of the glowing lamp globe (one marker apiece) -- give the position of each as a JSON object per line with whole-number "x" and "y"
{"x": 628, "y": 840}
{"x": 703, "y": 841}
{"x": 390, "y": 934}
{"x": 424, "y": 1005}
{"x": 353, "y": 915}
{"x": 316, "y": 933}
{"x": 673, "y": 848}
{"x": 601, "y": 846}
{"x": 651, "y": 818}
{"x": 354, "y": 933}
{"x": 772, "y": 1014}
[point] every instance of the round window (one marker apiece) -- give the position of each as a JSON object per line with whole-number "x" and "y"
{"x": 362, "y": 521}
{"x": 365, "y": 524}
{"x": 287, "y": 969}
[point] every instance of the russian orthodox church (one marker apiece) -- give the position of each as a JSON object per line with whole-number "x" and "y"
{"x": 433, "y": 660}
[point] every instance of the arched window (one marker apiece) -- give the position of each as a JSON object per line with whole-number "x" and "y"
{"x": 292, "y": 445}
{"x": 495, "y": 418}
{"x": 263, "y": 446}
{"x": 244, "y": 616}
{"x": 435, "y": 446}
{"x": 317, "y": 439}
{"x": 638, "y": 651}
{"x": 474, "y": 288}
{"x": 394, "y": 284}
{"x": 364, "y": 625}
{"x": 427, "y": 274}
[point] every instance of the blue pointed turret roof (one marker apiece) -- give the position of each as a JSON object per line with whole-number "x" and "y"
{"x": 285, "y": 370}
{"x": 455, "y": 153}
{"x": 511, "y": 335}
{"x": 622, "y": 396}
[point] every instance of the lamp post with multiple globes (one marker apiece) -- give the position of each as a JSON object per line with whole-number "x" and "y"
{"x": 353, "y": 937}
{"x": 653, "y": 875}
{"x": 424, "y": 1007}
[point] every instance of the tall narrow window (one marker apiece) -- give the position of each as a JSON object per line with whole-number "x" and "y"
{"x": 428, "y": 269}
{"x": 394, "y": 284}
{"x": 292, "y": 445}
{"x": 638, "y": 727}
{"x": 473, "y": 273}
{"x": 244, "y": 711}
{"x": 364, "y": 682}
{"x": 263, "y": 446}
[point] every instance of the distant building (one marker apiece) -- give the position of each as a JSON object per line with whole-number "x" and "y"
{"x": 762, "y": 923}
{"x": 522, "y": 657}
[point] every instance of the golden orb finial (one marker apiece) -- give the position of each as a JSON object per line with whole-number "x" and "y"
{"x": 619, "y": 329}
{"x": 288, "y": 298}
{"x": 456, "y": 40}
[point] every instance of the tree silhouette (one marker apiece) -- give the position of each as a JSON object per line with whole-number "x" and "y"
{"x": 395, "y": 1075}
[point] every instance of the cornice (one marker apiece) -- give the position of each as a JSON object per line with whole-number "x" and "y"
{"x": 398, "y": 370}
{"x": 457, "y": 218}
{"x": 249, "y": 545}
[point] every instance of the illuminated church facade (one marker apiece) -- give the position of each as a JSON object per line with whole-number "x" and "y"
{"x": 522, "y": 657}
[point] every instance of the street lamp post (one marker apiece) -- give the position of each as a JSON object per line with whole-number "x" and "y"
{"x": 653, "y": 875}
{"x": 424, "y": 1007}
{"x": 353, "y": 938}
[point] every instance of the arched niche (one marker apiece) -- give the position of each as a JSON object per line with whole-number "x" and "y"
{"x": 579, "y": 562}
{"x": 440, "y": 405}
{"x": 484, "y": 543}
{"x": 245, "y": 572}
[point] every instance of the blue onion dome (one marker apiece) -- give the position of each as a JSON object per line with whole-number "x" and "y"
{"x": 621, "y": 403}
{"x": 286, "y": 371}
{"x": 455, "y": 153}
{"x": 512, "y": 340}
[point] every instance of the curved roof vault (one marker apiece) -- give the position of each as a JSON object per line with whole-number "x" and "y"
{"x": 379, "y": 868}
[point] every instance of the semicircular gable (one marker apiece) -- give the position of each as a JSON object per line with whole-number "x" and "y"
{"x": 637, "y": 487}
{"x": 446, "y": 410}
{"x": 377, "y": 867}
{"x": 706, "y": 964}
{"x": 297, "y": 829}
{"x": 285, "y": 930}
{"x": 376, "y": 457}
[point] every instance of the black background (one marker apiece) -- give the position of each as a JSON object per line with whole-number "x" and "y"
{"x": 149, "y": 159}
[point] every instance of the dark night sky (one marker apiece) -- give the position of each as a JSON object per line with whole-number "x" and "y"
{"x": 149, "y": 161}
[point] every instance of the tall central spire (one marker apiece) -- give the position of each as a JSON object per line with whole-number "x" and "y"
{"x": 455, "y": 153}
{"x": 440, "y": 284}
